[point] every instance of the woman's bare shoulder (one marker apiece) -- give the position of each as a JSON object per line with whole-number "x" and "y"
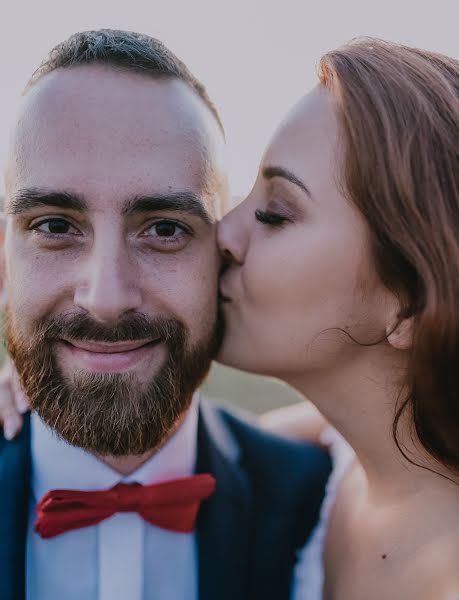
{"x": 433, "y": 571}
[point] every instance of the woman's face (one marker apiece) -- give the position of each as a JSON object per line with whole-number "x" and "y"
{"x": 300, "y": 260}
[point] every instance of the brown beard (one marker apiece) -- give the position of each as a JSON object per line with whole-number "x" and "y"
{"x": 110, "y": 413}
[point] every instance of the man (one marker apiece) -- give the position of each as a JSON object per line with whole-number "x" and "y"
{"x": 114, "y": 184}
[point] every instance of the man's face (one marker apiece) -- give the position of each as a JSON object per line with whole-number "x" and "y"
{"x": 114, "y": 184}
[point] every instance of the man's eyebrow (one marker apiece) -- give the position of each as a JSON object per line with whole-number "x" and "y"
{"x": 187, "y": 202}
{"x": 29, "y": 198}
{"x": 272, "y": 171}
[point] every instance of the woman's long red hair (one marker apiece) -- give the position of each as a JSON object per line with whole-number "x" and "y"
{"x": 399, "y": 112}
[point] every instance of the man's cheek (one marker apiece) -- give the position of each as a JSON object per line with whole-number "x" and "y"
{"x": 195, "y": 304}
{"x": 31, "y": 296}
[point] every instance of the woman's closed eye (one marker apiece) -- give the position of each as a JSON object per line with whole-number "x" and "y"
{"x": 270, "y": 218}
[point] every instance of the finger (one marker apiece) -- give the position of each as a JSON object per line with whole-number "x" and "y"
{"x": 14, "y": 379}
{"x": 5, "y": 371}
{"x": 20, "y": 399}
{"x": 21, "y": 402}
{"x": 7, "y": 403}
{"x": 8, "y": 408}
{"x": 12, "y": 426}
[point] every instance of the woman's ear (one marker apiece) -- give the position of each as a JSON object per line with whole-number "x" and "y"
{"x": 400, "y": 334}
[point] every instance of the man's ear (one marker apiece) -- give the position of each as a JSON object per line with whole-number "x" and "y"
{"x": 400, "y": 334}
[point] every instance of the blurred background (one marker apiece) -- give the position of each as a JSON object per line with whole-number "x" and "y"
{"x": 256, "y": 59}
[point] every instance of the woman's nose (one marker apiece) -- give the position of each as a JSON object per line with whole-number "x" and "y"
{"x": 232, "y": 236}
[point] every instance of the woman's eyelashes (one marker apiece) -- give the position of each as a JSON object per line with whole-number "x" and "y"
{"x": 270, "y": 218}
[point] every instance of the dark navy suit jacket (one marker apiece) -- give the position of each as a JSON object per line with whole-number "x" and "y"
{"x": 268, "y": 496}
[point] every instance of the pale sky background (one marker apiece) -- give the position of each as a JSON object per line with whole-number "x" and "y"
{"x": 255, "y": 57}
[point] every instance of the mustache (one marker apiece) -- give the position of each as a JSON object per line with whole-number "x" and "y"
{"x": 134, "y": 327}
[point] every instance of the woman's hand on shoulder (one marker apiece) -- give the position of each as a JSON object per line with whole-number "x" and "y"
{"x": 300, "y": 421}
{"x": 13, "y": 401}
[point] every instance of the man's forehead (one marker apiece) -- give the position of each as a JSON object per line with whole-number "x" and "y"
{"x": 93, "y": 127}
{"x": 114, "y": 89}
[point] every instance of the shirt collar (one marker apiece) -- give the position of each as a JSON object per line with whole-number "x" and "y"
{"x": 58, "y": 465}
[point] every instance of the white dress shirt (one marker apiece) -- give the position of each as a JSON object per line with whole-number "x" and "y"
{"x": 124, "y": 557}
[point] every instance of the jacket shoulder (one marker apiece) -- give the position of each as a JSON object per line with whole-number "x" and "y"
{"x": 284, "y": 472}
{"x": 287, "y": 478}
{"x": 297, "y": 462}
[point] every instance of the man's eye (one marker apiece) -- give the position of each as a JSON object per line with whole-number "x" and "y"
{"x": 166, "y": 229}
{"x": 55, "y": 226}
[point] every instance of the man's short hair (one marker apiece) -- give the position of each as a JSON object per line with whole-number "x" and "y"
{"x": 122, "y": 49}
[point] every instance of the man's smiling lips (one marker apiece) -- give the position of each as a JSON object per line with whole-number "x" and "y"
{"x": 109, "y": 357}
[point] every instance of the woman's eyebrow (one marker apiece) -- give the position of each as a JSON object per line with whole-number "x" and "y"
{"x": 274, "y": 171}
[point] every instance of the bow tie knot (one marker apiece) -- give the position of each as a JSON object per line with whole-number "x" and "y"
{"x": 123, "y": 500}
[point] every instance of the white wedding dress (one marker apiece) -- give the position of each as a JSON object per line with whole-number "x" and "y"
{"x": 309, "y": 571}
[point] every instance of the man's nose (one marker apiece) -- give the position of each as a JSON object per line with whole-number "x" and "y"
{"x": 110, "y": 285}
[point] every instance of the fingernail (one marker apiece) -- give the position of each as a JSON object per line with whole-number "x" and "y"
{"x": 22, "y": 403}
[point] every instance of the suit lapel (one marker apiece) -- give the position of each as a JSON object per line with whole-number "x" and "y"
{"x": 14, "y": 503}
{"x": 224, "y": 529}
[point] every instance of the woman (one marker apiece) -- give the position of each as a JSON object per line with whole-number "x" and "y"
{"x": 342, "y": 280}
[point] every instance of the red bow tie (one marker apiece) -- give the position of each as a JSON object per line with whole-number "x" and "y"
{"x": 171, "y": 505}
